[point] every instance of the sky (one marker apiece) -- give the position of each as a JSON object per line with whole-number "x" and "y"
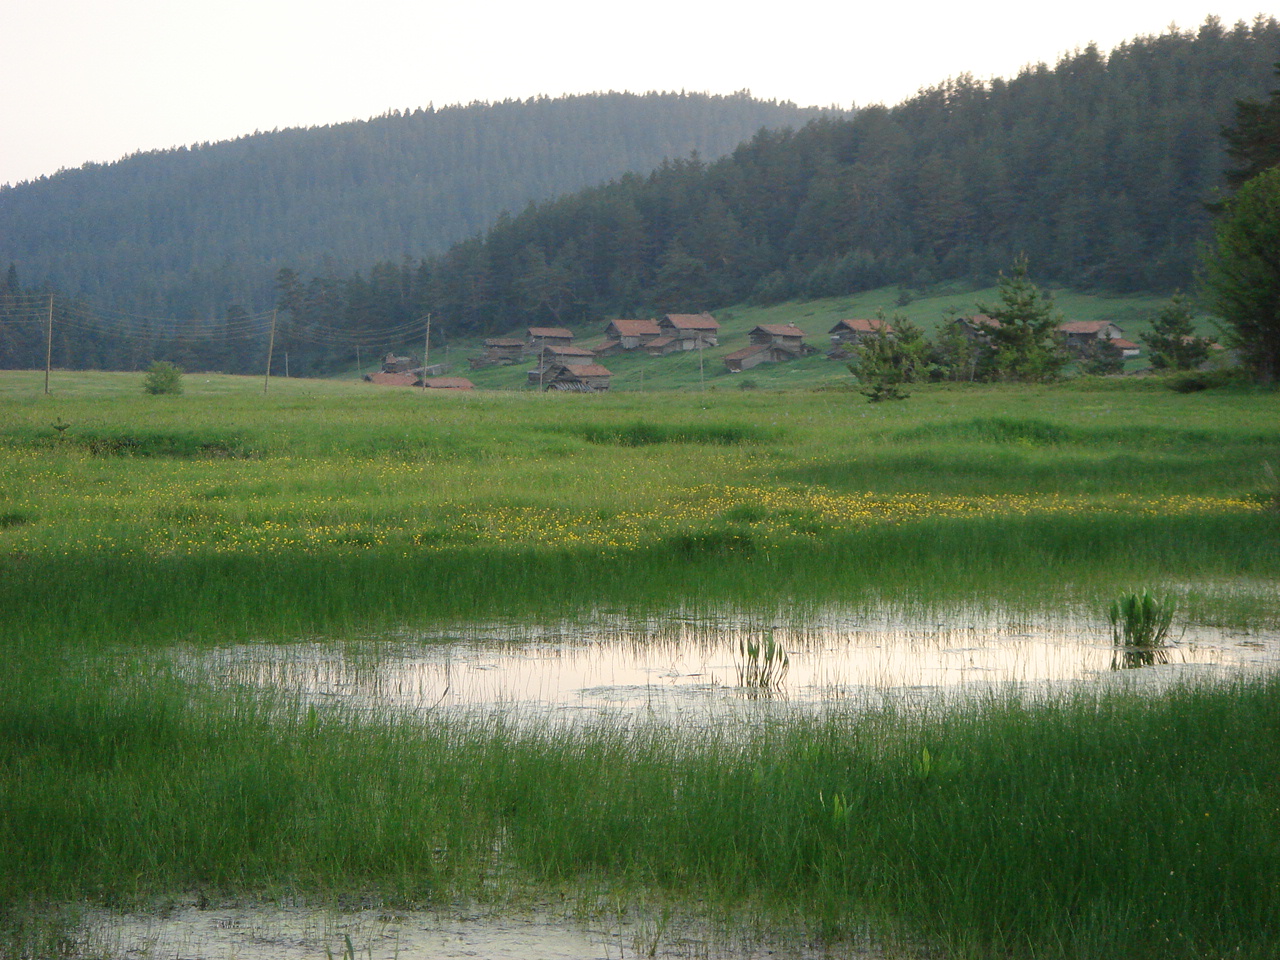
{"x": 95, "y": 80}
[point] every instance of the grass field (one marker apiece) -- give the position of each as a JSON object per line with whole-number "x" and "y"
{"x": 1085, "y": 825}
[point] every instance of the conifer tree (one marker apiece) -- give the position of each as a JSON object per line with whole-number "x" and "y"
{"x": 1024, "y": 338}
{"x": 1242, "y": 273}
{"x": 1172, "y": 342}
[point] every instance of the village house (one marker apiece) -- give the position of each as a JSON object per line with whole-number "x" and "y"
{"x": 499, "y": 351}
{"x": 662, "y": 346}
{"x": 393, "y": 364}
{"x": 578, "y": 378}
{"x": 631, "y": 334}
{"x": 756, "y": 354}
{"x": 785, "y": 335}
{"x": 846, "y": 335}
{"x": 1080, "y": 335}
{"x": 552, "y": 356}
{"x": 540, "y": 337}
{"x": 976, "y": 329}
{"x": 690, "y": 330}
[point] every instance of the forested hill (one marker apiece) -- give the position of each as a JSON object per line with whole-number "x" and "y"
{"x": 1098, "y": 168}
{"x": 189, "y": 231}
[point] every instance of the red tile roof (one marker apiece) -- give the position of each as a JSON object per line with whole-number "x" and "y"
{"x": 554, "y": 351}
{"x": 661, "y": 342}
{"x": 392, "y": 379}
{"x": 692, "y": 321}
{"x": 1124, "y": 344}
{"x": 635, "y": 328}
{"x": 504, "y": 342}
{"x": 449, "y": 383}
{"x": 780, "y": 329}
{"x": 586, "y": 370}
{"x": 1084, "y": 326}
{"x": 747, "y": 351}
{"x": 558, "y": 332}
{"x": 861, "y": 325}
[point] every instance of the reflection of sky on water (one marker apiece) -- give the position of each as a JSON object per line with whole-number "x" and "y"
{"x": 687, "y": 668}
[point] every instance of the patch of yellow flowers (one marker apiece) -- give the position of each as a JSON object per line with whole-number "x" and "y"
{"x": 311, "y": 524}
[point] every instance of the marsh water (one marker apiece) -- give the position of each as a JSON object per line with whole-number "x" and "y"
{"x": 689, "y": 669}
{"x": 675, "y": 668}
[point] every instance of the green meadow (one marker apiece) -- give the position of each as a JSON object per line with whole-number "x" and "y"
{"x": 1090, "y": 823}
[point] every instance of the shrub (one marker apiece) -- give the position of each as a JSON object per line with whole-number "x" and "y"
{"x": 163, "y": 377}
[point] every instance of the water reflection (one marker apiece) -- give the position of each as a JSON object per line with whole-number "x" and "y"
{"x": 680, "y": 667}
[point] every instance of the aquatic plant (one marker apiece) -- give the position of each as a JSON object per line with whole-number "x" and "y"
{"x": 1140, "y": 625}
{"x": 763, "y": 666}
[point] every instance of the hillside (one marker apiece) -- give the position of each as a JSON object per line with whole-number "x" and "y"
{"x": 1100, "y": 169}
{"x": 189, "y": 231}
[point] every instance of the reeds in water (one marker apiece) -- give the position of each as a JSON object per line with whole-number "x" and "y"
{"x": 763, "y": 665}
{"x": 1140, "y": 625}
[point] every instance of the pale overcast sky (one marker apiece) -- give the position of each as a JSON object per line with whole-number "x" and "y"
{"x": 94, "y": 80}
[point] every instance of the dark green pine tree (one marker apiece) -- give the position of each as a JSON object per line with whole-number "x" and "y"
{"x": 1172, "y": 342}
{"x": 1024, "y": 339}
{"x": 1242, "y": 273}
{"x": 1253, "y": 142}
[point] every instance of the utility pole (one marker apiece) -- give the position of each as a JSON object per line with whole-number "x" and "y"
{"x": 426, "y": 355}
{"x": 48, "y": 346}
{"x": 271, "y": 346}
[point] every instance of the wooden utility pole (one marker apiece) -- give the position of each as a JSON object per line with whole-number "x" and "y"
{"x": 48, "y": 345}
{"x": 426, "y": 354}
{"x": 271, "y": 346}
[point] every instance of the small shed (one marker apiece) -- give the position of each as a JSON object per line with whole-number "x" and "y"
{"x": 631, "y": 334}
{"x": 1128, "y": 348}
{"x": 589, "y": 378}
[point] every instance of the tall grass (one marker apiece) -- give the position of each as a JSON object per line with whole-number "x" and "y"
{"x": 1091, "y": 825}
{"x": 1086, "y": 826}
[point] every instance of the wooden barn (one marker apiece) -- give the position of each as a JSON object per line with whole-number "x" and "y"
{"x": 499, "y": 351}
{"x": 756, "y": 354}
{"x": 632, "y": 334}
{"x": 1080, "y": 335}
{"x": 690, "y": 330}
{"x": 849, "y": 333}
{"x": 540, "y": 337}
{"x": 786, "y": 335}
{"x": 588, "y": 378}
